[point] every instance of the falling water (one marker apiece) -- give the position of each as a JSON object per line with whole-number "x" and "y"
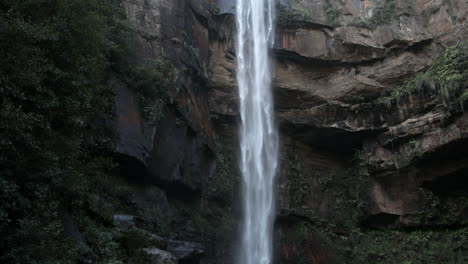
{"x": 258, "y": 135}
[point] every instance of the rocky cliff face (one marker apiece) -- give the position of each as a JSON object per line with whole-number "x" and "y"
{"x": 174, "y": 152}
{"x": 369, "y": 97}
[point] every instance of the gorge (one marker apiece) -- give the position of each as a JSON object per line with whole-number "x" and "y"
{"x": 120, "y": 142}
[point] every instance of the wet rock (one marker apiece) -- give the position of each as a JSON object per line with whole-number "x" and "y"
{"x": 429, "y": 153}
{"x": 177, "y": 159}
{"x": 185, "y": 251}
{"x": 126, "y": 222}
{"x": 304, "y": 180}
{"x": 175, "y": 31}
{"x": 328, "y": 75}
{"x": 134, "y": 137}
{"x": 299, "y": 242}
{"x": 226, "y": 6}
{"x": 327, "y": 72}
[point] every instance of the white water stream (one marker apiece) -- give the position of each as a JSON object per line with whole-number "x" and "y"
{"x": 258, "y": 134}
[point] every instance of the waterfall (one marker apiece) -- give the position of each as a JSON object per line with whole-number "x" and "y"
{"x": 258, "y": 133}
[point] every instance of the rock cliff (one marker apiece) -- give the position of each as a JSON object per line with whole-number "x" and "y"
{"x": 370, "y": 101}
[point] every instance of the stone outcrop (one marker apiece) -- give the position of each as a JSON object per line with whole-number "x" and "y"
{"x": 170, "y": 31}
{"x": 326, "y": 73}
{"x": 176, "y": 151}
{"x": 186, "y": 251}
{"x": 146, "y": 247}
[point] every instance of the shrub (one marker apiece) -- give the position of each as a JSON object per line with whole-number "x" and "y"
{"x": 445, "y": 79}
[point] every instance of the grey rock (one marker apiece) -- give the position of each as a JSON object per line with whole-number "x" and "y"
{"x": 125, "y": 222}
{"x": 184, "y": 250}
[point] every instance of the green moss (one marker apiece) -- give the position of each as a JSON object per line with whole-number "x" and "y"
{"x": 444, "y": 79}
{"x": 290, "y": 18}
{"x": 384, "y": 12}
{"x": 156, "y": 84}
{"x": 223, "y": 186}
{"x": 349, "y": 189}
{"x": 226, "y": 28}
{"x": 464, "y": 97}
{"x": 407, "y": 154}
{"x": 439, "y": 210}
{"x": 331, "y": 12}
{"x": 357, "y": 245}
{"x": 346, "y": 188}
{"x": 146, "y": 202}
{"x": 298, "y": 184}
{"x": 227, "y": 32}
{"x": 362, "y": 246}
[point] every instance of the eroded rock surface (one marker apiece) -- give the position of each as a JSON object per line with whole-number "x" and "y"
{"x": 348, "y": 158}
{"x": 334, "y": 61}
{"x": 174, "y": 32}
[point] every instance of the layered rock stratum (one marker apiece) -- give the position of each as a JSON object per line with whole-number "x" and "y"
{"x": 369, "y": 100}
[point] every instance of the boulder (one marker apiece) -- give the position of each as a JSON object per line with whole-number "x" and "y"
{"x": 126, "y": 222}
{"x": 184, "y": 250}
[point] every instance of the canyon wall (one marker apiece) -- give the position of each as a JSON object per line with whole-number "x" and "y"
{"x": 369, "y": 98}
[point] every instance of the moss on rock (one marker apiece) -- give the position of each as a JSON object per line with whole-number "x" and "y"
{"x": 445, "y": 79}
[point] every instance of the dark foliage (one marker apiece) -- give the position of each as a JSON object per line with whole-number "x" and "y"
{"x": 55, "y": 58}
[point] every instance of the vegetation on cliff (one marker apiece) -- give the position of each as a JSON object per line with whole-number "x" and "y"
{"x": 59, "y": 183}
{"x": 384, "y": 12}
{"x": 55, "y": 103}
{"x": 289, "y": 18}
{"x": 446, "y": 79}
{"x": 156, "y": 85}
{"x": 347, "y": 238}
{"x": 57, "y": 173}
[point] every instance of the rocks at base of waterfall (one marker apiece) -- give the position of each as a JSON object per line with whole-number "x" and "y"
{"x": 100, "y": 207}
{"x": 152, "y": 249}
{"x": 152, "y": 256}
{"x": 184, "y": 250}
{"x": 137, "y": 239}
{"x": 134, "y": 238}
